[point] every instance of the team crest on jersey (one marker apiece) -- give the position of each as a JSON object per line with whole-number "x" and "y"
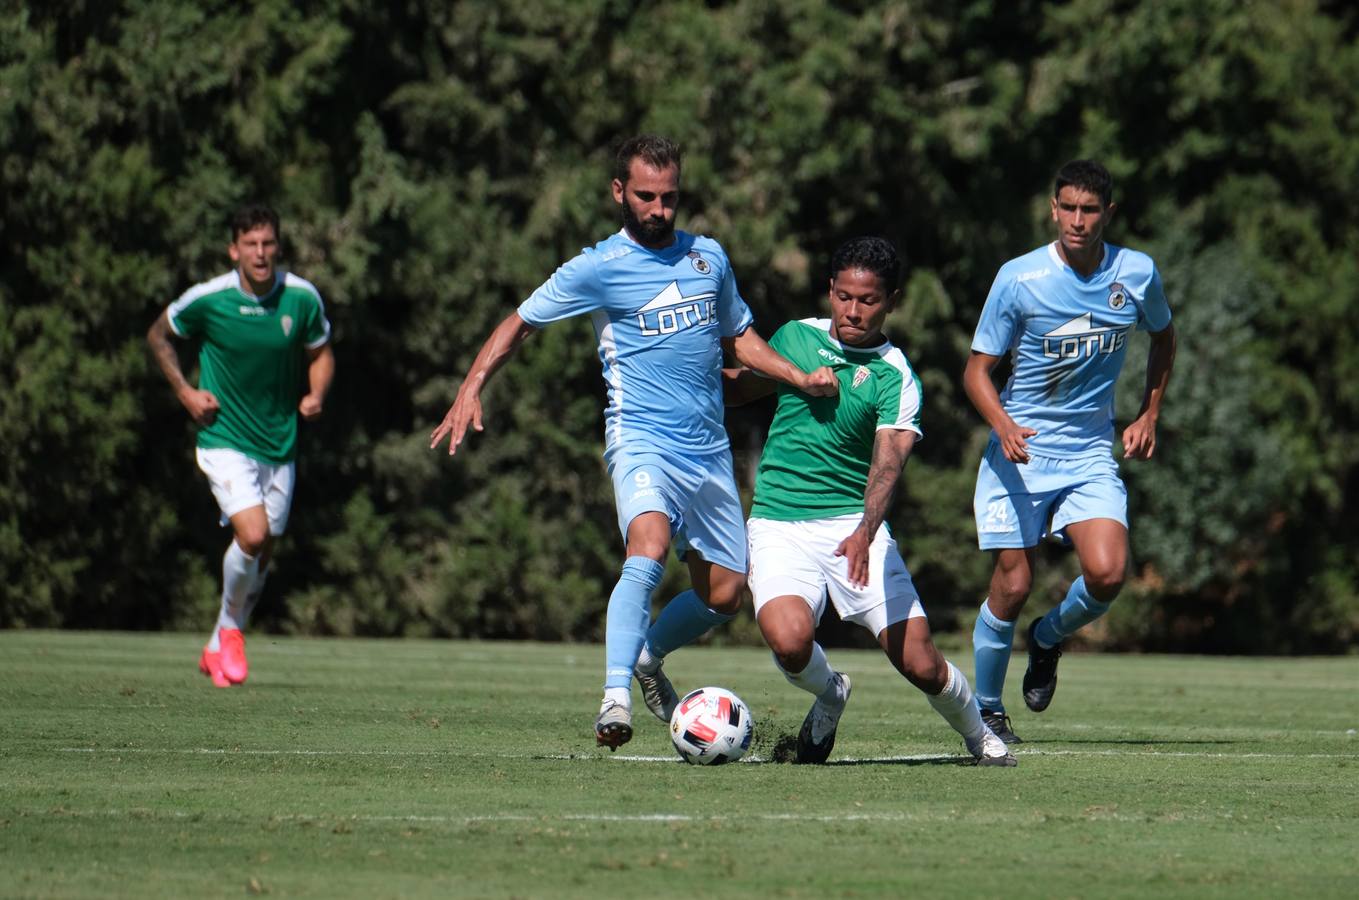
{"x": 860, "y": 376}
{"x": 1117, "y": 296}
{"x": 287, "y": 322}
{"x": 701, "y": 265}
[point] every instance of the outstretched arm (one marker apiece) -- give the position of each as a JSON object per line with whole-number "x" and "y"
{"x": 466, "y": 408}
{"x": 891, "y": 447}
{"x": 984, "y": 396}
{"x": 201, "y": 405}
{"x": 320, "y": 372}
{"x": 751, "y": 351}
{"x": 1139, "y": 438}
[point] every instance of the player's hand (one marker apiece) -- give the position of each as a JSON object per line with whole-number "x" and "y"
{"x": 1014, "y": 441}
{"x": 310, "y": 407}
{"x": 855, "y": 550}
{"x": 465, "y": 411}
{"x": 1139, "y": 439}
{"x": 202, "y": 405}
{"x": 820, "y": 383}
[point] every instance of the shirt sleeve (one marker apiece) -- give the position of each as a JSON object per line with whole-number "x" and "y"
{"x": 1155, "y": 308}
{"x": 187, "y": 318}
{"x": 899, "y": 402}
{"x": 733, "y": 315}
{"x": 317, "y": 331}
{"x": 1000, "y": 320}
{"x": 573, "y": 289}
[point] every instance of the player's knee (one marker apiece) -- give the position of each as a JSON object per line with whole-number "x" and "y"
{"x": 792, "y": 652}
{"x": 252, "y": 541}
{"x": 723, "y": 594}
{"x": 1104, "y": 585}
{"x": 726, "y": 602}
{"x": 925, "y": 670}
{"x": 1010, "y": 589}
{"x": 792, "y": 646}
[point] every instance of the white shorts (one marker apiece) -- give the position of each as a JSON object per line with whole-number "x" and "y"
{"x": 240, "y": 482}
{"x": 798, "y": 559}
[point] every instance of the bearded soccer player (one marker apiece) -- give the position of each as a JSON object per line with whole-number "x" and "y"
{"x": 1064, "y": 313}
{"x": 264, "y": 358}
{"x": 664, "y": 305}
{"x": 822, "y": 491}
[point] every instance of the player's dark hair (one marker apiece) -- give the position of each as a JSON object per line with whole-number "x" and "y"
{"x": 251, "y": 216}
{"x": 872, "y": 254}
{"x": 1087, "y": 175}
{"x": 652, "y": 149}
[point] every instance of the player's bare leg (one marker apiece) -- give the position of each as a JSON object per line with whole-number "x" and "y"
{"x": 911, "y": 650}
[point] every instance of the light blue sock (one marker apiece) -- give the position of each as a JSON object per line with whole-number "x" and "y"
{"x": 991, "y": 643}
{"x": 1077, "y": 609}
{"x": 629, "y": 614}
{"x": 684, "y": 619}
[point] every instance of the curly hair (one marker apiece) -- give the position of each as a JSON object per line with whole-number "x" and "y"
{"x": 872, "y": 254}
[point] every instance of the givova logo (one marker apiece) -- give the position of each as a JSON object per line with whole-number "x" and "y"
{"x": 671, "y": 311}
{"x": 1081, "y": 337}
{"x": 829, "y": 356}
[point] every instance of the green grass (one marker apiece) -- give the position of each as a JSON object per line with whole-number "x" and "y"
{"x": 436, "y": 769}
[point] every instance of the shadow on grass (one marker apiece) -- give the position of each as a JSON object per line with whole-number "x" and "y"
{"x": 905, "y": 761}
{"x": 1133, "y": 741}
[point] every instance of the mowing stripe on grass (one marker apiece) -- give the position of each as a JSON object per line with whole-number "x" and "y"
{"x": 946, "y": 815}
{"x": 910, "y": 757}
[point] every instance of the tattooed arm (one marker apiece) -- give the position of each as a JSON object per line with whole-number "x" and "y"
{"x": 891, "y": 447}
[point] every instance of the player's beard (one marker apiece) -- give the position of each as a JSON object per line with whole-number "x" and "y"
{"x": 652, "y": 233}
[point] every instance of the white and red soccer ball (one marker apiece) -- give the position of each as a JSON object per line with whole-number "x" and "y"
{"x": 711, "y": 726}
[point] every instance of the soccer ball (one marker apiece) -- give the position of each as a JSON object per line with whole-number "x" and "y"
{"x": 711, "y": 726}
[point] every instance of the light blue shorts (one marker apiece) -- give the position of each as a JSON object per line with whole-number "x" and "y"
{"x": 1016, "y": 506}
{"x": 697, "y": 493}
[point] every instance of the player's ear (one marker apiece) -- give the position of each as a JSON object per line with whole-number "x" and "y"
{"x": 1110, "y": 210}
{"x": 1053, "y": 202}
{"x": 893, "y": 299}
{"x": 617, "y": 191}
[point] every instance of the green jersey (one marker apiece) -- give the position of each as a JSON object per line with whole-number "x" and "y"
{"x": 816, "y": 459}
{"x": 252, "y": 355}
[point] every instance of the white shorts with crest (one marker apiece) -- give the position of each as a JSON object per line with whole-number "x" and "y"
{"x": 240, "y": 482}
{"x": 798, "y": 559}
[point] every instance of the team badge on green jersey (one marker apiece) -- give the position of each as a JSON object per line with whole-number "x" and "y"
{"x": 860, "y": 376}
{"x": 287, "y": 325}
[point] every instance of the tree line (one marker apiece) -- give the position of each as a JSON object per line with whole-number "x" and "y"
{"x": 433, "y": 163}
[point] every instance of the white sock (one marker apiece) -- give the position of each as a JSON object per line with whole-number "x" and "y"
{"x": 253, "y": 599}
{"x": 957, "y": 705}
{"x": 621, "y": 696}
{"x": 215, "y": 641}
{"x": 239, "y": 571}
{"x": 816, "y": 677}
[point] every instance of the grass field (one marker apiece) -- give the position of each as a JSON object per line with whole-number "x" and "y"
{"x": 448, "y": 769}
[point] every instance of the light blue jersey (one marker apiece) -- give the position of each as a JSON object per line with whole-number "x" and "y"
{"x": 659, "y": 316}
{"x": 1067, "y": 336}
